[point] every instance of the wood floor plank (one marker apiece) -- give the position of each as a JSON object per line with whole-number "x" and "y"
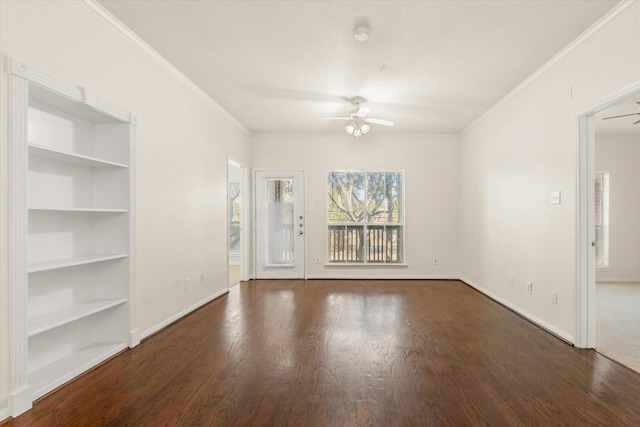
{"x": 348, "y": 353}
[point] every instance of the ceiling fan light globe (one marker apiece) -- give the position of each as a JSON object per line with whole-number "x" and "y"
{"x": 349, "y": 128}
{"x": 365, "y": 128}
{"x": 357, "y": 133}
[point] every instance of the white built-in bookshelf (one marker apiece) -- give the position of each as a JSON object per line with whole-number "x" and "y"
{"x": 72, "y": 246}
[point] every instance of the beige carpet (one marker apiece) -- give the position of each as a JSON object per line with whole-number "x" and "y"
{"x": 618, "y": 322}
{"x": 234, "y": 274}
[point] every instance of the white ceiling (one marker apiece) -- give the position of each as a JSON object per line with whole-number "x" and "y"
{"x": 278, "y": 66}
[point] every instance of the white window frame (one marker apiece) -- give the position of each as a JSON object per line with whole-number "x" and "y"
{"x": 365, "y": 224}
{"x": 602, "y": 221}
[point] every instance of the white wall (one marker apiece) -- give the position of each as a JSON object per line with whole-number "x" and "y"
{"x": 183, "y": 140}
{"x": 620, "y": 156}
{"x": 431, "y": 194}
{"x": 516, "y": 156}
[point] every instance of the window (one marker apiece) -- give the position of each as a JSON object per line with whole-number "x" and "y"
{"x": 234, "y": 216}
{"x": 365, "y": 215}
{"x": 279, "y": 221}
{"x": 602, "y": 219}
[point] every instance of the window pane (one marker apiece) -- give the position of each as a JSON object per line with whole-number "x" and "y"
{"x": 346, "y": 243}
{"x": 393, "y": 243}
{"x": 279, "y": 210}
{"x": 345, "y": 195}
{"x": 355, "y": 243}
{"x": 337, "y": 242}
{"x": 602, "y": 219}
{"x": 234, "y": 214}
{"x": 599, "y": 252}
{"x": 598, "y": 199}
{"x": 384, "y": 243}
{"x": 384, "y": 197}
{"x": 375, "y": 243}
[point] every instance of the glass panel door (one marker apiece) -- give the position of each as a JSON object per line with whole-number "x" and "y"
{"x": 279, "y": 198}
{"x": 280, "y": 230}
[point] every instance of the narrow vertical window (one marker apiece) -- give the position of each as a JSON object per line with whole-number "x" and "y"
{"x": 234, "y": 215}
{"x": 279, "y": 210}
{"x": 602, "y": 219}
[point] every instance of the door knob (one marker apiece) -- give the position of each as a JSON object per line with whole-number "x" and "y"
{"x": 593, "y": 243}
{"x": 300, "y": 232}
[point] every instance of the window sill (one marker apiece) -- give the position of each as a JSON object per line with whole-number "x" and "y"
{"x": 604, "y": 269}
{"x": 367, "y": 265}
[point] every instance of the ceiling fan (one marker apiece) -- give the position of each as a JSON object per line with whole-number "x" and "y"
{"x": 625, "y": 115}
{"x": 359, "y": 122}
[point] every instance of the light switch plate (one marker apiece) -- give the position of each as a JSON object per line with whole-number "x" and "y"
{"x": 555, "y": 198}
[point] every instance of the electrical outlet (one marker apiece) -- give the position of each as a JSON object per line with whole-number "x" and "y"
{"x": 317, "y": 260}
{"x": 435, "y": 261}
{"x": 512, "y": 281}
{"x": 201, "y": 277}
{"x": 530, "y": 287}
{"x": 187, "y": 284}
{"x": 554, "y": 297}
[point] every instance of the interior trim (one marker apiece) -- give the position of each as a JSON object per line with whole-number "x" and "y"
{"x": 111, "y": 21}
{"x": 602, "y": 24}
{"x": 168, "y": 321}
{"x": 534, "y": 319}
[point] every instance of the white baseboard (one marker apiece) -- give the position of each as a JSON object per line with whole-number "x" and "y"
{"x": 338, "y": 276}
{"x": 134, "y": 337}
{"x": 4, "y": 414}
{"x": 20, "y": 401}
{"x": 177, "y": 316}
{"x": 618, "y": 280}
{"x": 539, "y": 322}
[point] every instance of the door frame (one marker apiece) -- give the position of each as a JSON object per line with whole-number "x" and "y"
{"x": 254, "y": 229}
{"x": 585, "y": 332}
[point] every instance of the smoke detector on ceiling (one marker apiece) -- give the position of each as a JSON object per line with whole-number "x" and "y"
{"x": 361, "y": 33}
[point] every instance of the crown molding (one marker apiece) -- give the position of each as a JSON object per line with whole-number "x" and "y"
{"x": 602, "y": 24}
{"x": 610, "y": 100}
{"x": 115, "y": 24}
{"x": 344, "y": 135}
{"x": 111, "y": 21}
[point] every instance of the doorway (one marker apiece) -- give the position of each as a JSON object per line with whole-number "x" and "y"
{"x": 237, "y": 229}
{"x": 280, "y": 224}
{"x": 617, "y": 212}
{"x": 589, "y": 251}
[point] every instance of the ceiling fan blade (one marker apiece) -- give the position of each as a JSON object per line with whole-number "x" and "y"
{"x": 636, "y": 122}
{"x": 624, "y": 115}
{"x": 336, "y": 118}
{"x": 362, "y": 112}
{"x": 380, "y": 122}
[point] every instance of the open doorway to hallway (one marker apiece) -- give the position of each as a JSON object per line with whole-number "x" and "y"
{"x": 238, "y": 212}
{"x": 617, "y": 232}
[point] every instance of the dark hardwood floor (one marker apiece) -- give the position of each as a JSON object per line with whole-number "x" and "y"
{"x": 348, "y": 353}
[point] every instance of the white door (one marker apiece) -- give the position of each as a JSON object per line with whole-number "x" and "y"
{"x": 280, "y": 221}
